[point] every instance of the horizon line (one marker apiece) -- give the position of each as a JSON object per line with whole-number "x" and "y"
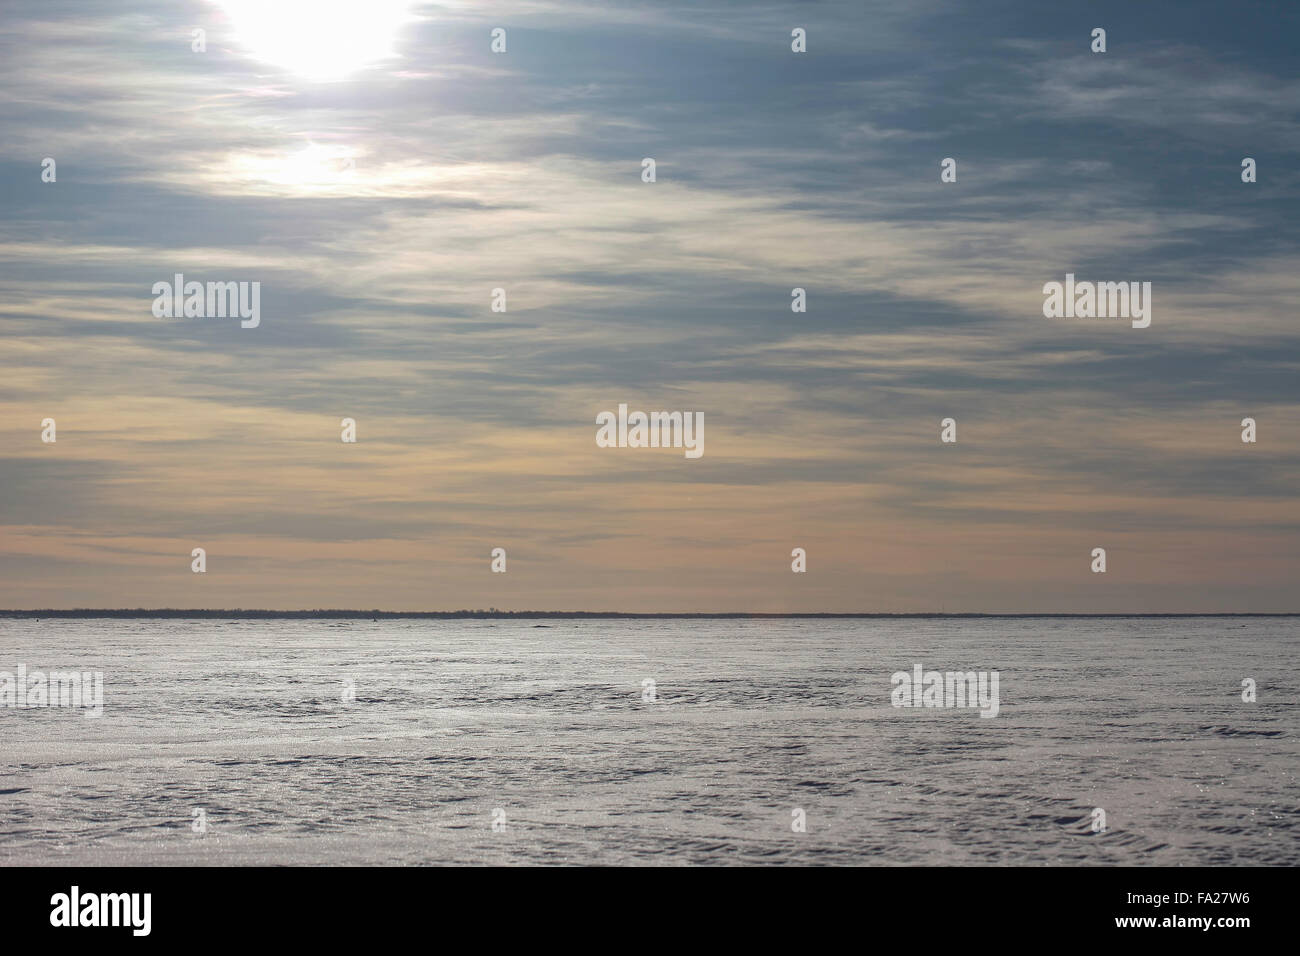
{"x": 494, "y": 613}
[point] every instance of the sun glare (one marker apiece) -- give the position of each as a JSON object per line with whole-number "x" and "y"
{"x": 318, "y": 39}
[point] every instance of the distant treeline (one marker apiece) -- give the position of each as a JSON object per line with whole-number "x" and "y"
{"x": 253, "y": 613}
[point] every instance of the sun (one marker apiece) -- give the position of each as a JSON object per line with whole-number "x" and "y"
{"x": 318, "y": 39}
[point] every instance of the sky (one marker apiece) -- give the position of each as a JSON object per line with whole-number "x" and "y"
{"x": 380, "y": 170}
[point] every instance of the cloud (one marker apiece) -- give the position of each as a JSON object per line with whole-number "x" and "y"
{"x": 379, "y": 211}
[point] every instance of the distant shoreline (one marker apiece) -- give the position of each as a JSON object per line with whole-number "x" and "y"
{"x": 254, "y": 614}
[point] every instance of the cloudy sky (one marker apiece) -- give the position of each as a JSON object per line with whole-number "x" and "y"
{"x": 379, "y": 174}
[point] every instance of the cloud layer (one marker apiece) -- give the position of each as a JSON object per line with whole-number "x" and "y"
{"x": 380, "y": 208}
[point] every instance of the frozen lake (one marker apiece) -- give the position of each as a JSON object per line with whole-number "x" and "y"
{"x": 342, "y": 742}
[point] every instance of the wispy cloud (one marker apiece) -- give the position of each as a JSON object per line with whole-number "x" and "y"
{"x": 380, "y": 209}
